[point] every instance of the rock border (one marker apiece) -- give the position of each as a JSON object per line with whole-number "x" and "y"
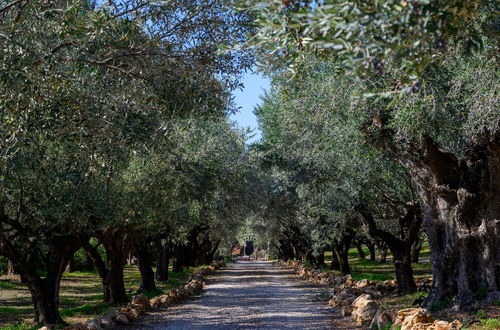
{"x": 140, "y": 304}
{"x": 359, "y": 300}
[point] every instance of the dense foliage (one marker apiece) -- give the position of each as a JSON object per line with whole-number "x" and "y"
{"x": 113, "y": 121}
{"x": 401, "y": 106}
{"x": 115, "y": 138}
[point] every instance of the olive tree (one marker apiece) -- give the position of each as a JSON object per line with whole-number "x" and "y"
{"x": 432, "y": 65}
{"x": 84, "y": 86}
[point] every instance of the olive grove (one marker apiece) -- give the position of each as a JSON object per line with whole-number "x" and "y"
{"x": 381, "y": 127}
{"x": 423, "y": 92}
{"x": 101, "y": 105}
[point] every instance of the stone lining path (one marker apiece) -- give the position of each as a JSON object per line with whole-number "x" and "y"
{"x": 250, "y": 295}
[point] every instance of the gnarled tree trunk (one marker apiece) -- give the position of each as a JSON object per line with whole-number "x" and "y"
{"x": 400, "y": 247}
{"x": 415, "y": 250}
{"x": 99, "y": 264}
{"x": 141, "y": 252}
{"x": 113, "y": 241}
{"x": 10, "y": 268}
{"x": 335, "y": 261}
{"x": 116, "y": 242}
{"x": 382, "y": 249}
{"x": 162, "y": 260}
{"x": 461, "y": 219}
{"x": 341, "y": 246}
{"x": 361, "y": 253}
{"x": 371, "y": 247}
{"x": 44, "y": 291}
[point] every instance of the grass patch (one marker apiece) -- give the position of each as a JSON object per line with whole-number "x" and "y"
{"x": 401, "y": 302}
{"x": 7, "y": 285}
{"x": 486, "y": 324}
{"x": 81, "y": 296}
{"x": 20, "y": 326}
{"x": 79, "y": 273}
{"x": 441, "y": 304}
{"x": 41, "y": 272}
{"x": 9, "y": 310}
{"x": 87, "y": 309}
{"x": 371, "y": 276}
{"x": 95, "y": 297}
{"x": 152, "y": 293}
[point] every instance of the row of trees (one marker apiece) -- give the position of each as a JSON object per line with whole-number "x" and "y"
{"x": 383, "y": 119}
{"x": 115, "y": 138}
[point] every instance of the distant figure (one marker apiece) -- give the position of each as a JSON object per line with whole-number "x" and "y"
{"x": 249, "y": 248}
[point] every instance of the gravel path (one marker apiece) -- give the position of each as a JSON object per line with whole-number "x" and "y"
{"x": 250, "y": 295}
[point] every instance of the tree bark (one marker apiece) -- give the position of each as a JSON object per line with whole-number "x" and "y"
{"x": 371, "y": 247}
{"x": 335, "y": 264}
{"x": 113, "y": 241}
{"x": 461, "y": 219}
{"x": 143, "y": 259}
{"x": 162, "y": 260}
{"x": 404, "y": 270}
{"x": 10, "y": 268}
{"x": 382, "y": 248}
{"x": 400, "y": 247}
{"x": 341, "y": 248}
{"x": 415, "y": 250}
{"x": 361, "y": 253}
{"x": 71, "y": 265}
{"x": 44, "y": 291}
{"x": 115, "y": 262}
{"x": 102, "y": 270}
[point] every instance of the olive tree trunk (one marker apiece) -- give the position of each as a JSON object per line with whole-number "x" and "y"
{"x": 116, "y": 242}
{"x": 335, "y": 264}
{"x": 144, "y": 262}
{"x": 341, "y": 246}
{"x": 359, "y": 247}
{"x": 461, "y": 219}
{"x": 415, "y": 250}
{"x": 162, "y": 260}
{"x": 10, "y": 268}
{"x": 44, "y": 290}
{"x": 400, "y": 247}
{"x": 371, "y": 248}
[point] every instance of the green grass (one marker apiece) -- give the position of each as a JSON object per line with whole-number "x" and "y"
{"x": 9, "y": 310}
{"x": 152, "y": 293}
{"x": 7, "y": 285}
{"x": 87, "y": 309}
{"x": 41, "y": 273}
{"x": 401, "y": 302}
{"x": 486, "y": 324}
{"x": 376, "y": 271}
{"x": 20, "y": 326}
{"x": 79, "y": 273}
{"x": 81, "y": 296}
{"x": 96, "y": 297}
{"x": 370, "y": 276}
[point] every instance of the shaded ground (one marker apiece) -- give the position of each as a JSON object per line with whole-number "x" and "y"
{"x": 80, "y": 299}
{"x": 376, "y": 271}
{"x": 251, "y": 294}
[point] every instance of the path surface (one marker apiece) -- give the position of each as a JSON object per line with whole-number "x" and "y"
{"x": 250, "y": 295}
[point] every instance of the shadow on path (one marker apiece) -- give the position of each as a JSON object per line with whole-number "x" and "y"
{"x": 250, "y": 295}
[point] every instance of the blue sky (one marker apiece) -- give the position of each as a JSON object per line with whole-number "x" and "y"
{"x": 247, "y": 99}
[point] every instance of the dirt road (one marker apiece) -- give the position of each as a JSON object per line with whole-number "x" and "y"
{"x": 250, "y": 295}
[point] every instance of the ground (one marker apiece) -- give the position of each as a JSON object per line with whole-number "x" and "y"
{"x": 251, "y": 294}
{"x": 81, "y": 296}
